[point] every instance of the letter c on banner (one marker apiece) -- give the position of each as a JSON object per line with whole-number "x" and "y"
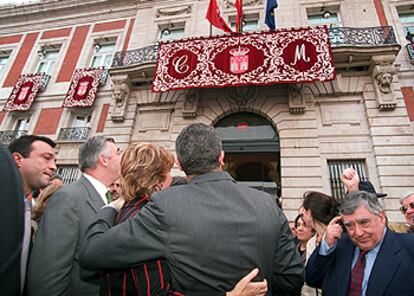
{"x": 181, "y": 64}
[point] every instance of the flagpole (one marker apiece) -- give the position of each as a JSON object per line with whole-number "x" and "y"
{"x": 211, "y": 29}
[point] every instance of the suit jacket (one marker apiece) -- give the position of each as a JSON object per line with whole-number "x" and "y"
{"x": 212, "y": 231}
{"x": 54, "y": 263}
{"x": 11, "y": 224}
{"x": 391, "y": 274}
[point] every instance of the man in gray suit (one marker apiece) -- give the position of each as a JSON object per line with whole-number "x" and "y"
{"x": 53, "y": 265}
{"x": 212, "y": 231}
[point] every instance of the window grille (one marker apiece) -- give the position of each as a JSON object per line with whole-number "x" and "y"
{"x": 69, "y": 173}
{"x": 336, "y": 167}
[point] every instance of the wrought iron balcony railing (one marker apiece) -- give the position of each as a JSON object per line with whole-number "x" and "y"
{"x": 340, "y": 36}
{"x": 139, "y": 56}
{"x": 410, "y": 49}
{"x": 73, "y": 134}
{"x": 9, "y": 136}
{"x": 371, "y": 36}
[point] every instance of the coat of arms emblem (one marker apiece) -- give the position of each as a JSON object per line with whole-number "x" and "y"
{"x": 23, "y": 93}
{"x": 83, "y": 87}
{"x": 239, "y": 61}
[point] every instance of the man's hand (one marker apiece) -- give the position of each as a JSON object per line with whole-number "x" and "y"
{"x": 245, "y": 287}
{"x": 350, "y": 179}
{"x": 333, "y": 231}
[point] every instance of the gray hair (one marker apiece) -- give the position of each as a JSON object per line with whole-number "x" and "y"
{"x": 354, "y": 200}
{"x": 198, "y": 149}
{"x": 90, "y": 150}
{"x": 405, "y": 196}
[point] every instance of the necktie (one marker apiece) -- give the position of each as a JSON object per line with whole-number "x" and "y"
{"x": 357, "y": 275}
{"x": 108, "y": 196}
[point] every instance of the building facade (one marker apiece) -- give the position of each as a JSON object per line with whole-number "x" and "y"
{"x": 285, "y": 138}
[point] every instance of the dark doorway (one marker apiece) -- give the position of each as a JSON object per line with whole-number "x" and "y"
{"x": 252, "y": 151}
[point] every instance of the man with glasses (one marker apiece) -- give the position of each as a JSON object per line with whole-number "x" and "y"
{"x": 367, "y": 260}
{"x": 53, "y": 266}
{"x": 407, "y": 209}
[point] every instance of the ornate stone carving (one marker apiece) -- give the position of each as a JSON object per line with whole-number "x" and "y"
{"x": 382, "y": 76}
{"x": 171, "y": 11}
{"x": 296, "y": 99}
{"x": 241, "y": 96}
{"x": 121, "y": 90}
{"x": 191, "y": 104}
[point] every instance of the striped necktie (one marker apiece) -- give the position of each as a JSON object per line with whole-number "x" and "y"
{"x": 357, "y": 275}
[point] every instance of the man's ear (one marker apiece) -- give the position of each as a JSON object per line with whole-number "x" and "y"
{"x": 18, "y": 159}
{"x": 177, "y": 162}
{"x": 221, "y": 158}
{"x": 103, "y": 161}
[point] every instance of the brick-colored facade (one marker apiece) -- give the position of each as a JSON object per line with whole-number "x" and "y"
{"x": 56, "y": 33}
{"x": 48, "y": 121}
{"x": 102, "y": 118}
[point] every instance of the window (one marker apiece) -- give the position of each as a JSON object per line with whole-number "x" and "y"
{"x": 4, "y": 58}
{"x": 47, "y": 61}
{"x": 103, "y": 53}
{"x": 324, "y": 16}
{"x": 81, "y": 121}
{"x": 407, "y": 21}
{"x": 69, "y": 173}
{"x": 172, "y": 32}
{"x": 335, "y": 171}
{"x": 22, "y": 124}
{"x": 248, "y": 25}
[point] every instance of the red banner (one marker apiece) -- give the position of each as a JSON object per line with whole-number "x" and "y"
{"x": 25, "y": 91}
{"x": 281, "y": 56}
{"x": 83, "y": 87}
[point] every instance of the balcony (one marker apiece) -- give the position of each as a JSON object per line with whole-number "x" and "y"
{"x": 73, "y": 134}
{"x": 351, "y": 47}
{"x": 11, "y": 135}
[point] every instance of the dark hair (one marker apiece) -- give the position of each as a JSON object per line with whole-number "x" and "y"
{"x": 23, "y": 145}
{"x": 322, "y": 206}
{"x": 198, "y": 149}
{"x": 300, "y": 216}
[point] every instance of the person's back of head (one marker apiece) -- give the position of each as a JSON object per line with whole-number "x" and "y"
{"x": 322, "y": 206}
{"x": 198, "y": 149}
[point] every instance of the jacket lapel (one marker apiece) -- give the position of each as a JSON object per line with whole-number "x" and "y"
{"x": 343, "y": 267}
{"x": 386, "y": 264}
{"x": 93, "y": 198}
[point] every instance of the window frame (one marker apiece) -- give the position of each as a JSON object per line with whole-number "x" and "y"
{"x": 103, "y": 55}
{"x": 49, "y": 62}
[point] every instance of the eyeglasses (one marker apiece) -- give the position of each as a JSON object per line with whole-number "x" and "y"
{"x": 404, "y": 209}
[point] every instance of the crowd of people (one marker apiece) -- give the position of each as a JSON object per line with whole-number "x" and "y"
{"x": 127, "y": 227}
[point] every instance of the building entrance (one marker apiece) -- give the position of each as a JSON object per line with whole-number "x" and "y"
{"x": 252, "y": 151}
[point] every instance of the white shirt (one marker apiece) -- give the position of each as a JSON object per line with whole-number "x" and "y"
{"x": 101, "y": 188}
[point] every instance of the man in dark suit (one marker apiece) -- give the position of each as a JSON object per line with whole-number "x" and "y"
{"x": 53, "y": 265}
{"x": 369, "y": 260}
{"x": 35, "y": 159}
{"x": 212, "y": 231}
{"x": 11, "y": 224}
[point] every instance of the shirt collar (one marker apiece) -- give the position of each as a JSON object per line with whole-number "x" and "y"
{"x": 99, "y": 187}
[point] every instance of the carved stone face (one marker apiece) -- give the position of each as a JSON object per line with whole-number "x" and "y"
{"x": 119, "y": 96}
{"x": 384, "y": 81}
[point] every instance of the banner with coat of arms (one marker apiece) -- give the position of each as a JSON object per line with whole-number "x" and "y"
{"x": 294, "y": 55}
{"x": 83, "y": 87}
{"x": 25, "y": 91}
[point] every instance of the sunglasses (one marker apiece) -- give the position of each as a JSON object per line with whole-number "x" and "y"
{"x": 404, "y": 209}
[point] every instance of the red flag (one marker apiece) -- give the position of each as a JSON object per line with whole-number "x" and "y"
{"x": 214, "y": 17}
{"x": 239, "y": 17}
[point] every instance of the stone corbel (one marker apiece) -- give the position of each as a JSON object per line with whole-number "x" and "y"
{"x": 191, "y": 104}
{"x": 383, "y": 76}
{"x": 121, "y": 90}
{"x": 296, "y": 99}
